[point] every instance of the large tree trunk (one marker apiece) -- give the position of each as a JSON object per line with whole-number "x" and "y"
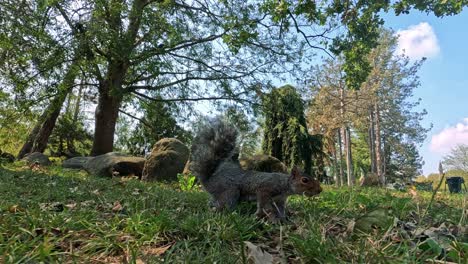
{"x": 349, "y": 158}
{"x": 378, "y": 145}
{"x": 110, "y": 89}
{"x": 107, "y": 112}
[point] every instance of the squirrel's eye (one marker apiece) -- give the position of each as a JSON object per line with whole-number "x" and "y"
{"x": 305, "y": 180}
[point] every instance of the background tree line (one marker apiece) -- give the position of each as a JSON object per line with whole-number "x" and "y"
{"x": 150, "y": 62}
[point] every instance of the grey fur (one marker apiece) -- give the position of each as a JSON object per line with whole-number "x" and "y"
{"x": 214, "y": 161}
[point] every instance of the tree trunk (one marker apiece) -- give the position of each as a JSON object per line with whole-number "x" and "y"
{"x": 340, "y": 161}
{"x": 107, "y": 112}
{"x": 78, "y": 103}
{"x": 71, "y": 140}
{"x": 28, "y": 145}
{"x": 40, "y": 142}
{"x": 110, "y": 89}
{"x": 336, "y": 175}
{"x": 349, "y": 158}
{"x": 39, "y": 136}
{"x": 378, "y": 145}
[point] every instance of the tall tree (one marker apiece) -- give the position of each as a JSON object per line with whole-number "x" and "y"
{"x": 285, "y": 130}
{"x": 190, "y": 50}
{"x": 395, "y": 126}
{"x": 381, "y": 113}
{"x": 333, "y": 111}
{"x": 40, "y": 63}
{"x": 185, "y": 51}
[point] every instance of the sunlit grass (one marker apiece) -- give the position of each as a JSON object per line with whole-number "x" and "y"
{"x": 57, "y": 215}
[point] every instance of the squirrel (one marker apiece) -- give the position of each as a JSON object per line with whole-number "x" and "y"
{"x": 214, "y": 161}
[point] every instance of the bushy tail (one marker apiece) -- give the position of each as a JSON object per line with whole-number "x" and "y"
{"x": 215, "y": 143}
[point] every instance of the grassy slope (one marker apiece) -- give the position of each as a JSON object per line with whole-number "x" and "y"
{"x": 63, "y": 215}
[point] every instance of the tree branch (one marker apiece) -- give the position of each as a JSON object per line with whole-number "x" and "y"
{"x": 136, "y": 118}
{"x": 211, "y": 98}
{"x": 296, "y": 25}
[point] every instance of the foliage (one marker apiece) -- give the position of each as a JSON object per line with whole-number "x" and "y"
{"x": 14, "y": 125}
{"x": 158, "y": 121}
{"x": 68, "y": 216}
{"x": 458, "y": 158}
{"x": 70, "y": 137}
{"x": 187, "y": 182}
{"x": 361, "y": 21}
{"x": 186, "y": 51}
{"x": 406, "y": 163}
{"x": 390, "y": 86}
{"x": 248, "y": 130}
{"x": 285, "y": 134}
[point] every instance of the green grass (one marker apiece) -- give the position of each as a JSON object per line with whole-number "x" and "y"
{"x": 57, "y": 215}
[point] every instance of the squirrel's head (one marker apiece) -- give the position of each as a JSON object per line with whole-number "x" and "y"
{"x": 302, "y": 183}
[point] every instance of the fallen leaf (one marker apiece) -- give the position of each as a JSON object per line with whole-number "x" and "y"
{"x": 378, "y": 218}
{"x": 157, "y": 251}
{"x": 259, "y": 256}
{"x": 117, "y": 207}
{"x": 87, "y": 203}
{"x": 70, "y": 206}
{"x": 350, "y": 226}
{"x": 14, "y": 209}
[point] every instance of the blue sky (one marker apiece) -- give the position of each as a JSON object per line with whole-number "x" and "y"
{"x": 444, "y": 77}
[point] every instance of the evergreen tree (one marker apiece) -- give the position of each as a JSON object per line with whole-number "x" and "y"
{"x": 285, "y": 130}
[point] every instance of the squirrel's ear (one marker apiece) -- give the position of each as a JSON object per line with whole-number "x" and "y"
{"x": 295, "y": 172}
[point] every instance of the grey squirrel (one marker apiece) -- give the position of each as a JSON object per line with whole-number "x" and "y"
{"x": 214, "y": 161}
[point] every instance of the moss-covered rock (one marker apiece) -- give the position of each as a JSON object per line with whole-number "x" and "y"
{"x": 168, "y": 158}
{"x": 115, "y": 164}
{"x": 37, "y": 157}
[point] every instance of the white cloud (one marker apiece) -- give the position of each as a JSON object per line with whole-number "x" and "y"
{"x": 448, "y": 138}
{"x": 418, "y": 41}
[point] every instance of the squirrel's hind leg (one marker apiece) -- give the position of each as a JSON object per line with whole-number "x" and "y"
{"x": 226, "y": 200}
{"x": 263, "y": 202}
{"x": 279, "y": 207}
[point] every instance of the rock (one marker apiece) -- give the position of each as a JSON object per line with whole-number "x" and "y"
{"x": 76, "y": 162}
{"x": 263, "y": 163}
{"x": 370, "y": 179}
{"x": 37, "y": 157}
{"x": 114, "y": 164}
{"x": 167, "y": 159}
{"x": 6, "y": 157}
